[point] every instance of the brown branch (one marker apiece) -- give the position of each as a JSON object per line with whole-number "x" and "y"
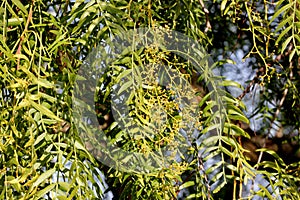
{"x": 247, "y": 89}
{"x": 283, "y": 55}
{"x": 253, "y": 82}
{"x": 208, "y": 25}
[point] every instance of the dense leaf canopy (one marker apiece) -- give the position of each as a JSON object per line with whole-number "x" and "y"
{"x": 48, "y": 147}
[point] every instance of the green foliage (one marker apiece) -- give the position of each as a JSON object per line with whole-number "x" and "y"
{"x": 43, "y": 46}
{"x": 40, "y": 152}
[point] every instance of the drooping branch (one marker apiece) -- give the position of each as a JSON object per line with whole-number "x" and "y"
{"x": 22, "y": 36}
{"x": 276, "y": 113}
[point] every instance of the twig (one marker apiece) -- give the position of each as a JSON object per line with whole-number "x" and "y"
{"x": 208, "y": 25}
{"x": 201, "y": 167}
{"x": 247, "y": 89}
{"x": 254, "y": 81}
{"x": 22, "y": 36}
